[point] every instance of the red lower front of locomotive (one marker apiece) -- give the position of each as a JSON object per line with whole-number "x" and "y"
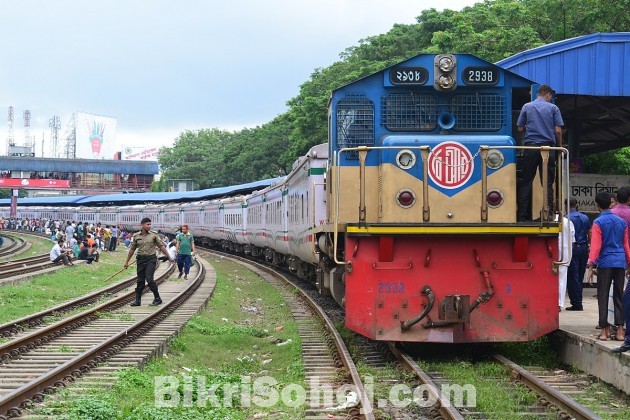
{"x": 451, "y": 289}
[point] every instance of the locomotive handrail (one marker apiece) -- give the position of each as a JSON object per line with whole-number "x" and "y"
{"x": 313, "y": 207}
{"x": 562, "y": 193}
{"x": 424, "y": 150}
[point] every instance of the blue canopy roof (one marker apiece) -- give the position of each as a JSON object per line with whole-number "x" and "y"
{"x": 143, "y": 198}
{"x": 595, "y": 64}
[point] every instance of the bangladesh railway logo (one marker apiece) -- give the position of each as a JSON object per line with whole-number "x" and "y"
{"x": 450, "y": 165}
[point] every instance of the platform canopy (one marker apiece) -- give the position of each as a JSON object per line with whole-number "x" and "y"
{"x": 591, "y": 77}
{"x": 145, "y": 198}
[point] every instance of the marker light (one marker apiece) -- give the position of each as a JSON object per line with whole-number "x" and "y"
{"x": 495, "y": 159}
{"x": 406, "y": 198}
{"x": 494, "y": 198}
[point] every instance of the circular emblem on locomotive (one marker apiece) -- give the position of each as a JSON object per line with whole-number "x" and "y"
{"x": 450, "y": 165}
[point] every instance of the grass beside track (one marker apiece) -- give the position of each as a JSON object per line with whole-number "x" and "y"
{"x": 65, "y": 284}
{"x": 39, "y": 246}
{"x": 244, "y": 334}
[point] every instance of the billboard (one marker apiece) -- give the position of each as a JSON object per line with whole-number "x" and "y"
{"x": 139, "y": 153}
{"x": 96, "y": 136}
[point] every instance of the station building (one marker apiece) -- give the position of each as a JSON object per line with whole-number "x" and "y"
{"x": 58, "y": 177}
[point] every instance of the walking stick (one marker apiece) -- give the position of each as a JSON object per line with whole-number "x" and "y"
{"x": 120, "y": 271}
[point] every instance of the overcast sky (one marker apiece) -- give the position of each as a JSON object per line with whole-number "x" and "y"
{"x": 160, "y": 67}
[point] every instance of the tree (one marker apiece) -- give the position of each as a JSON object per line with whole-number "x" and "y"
{"x": 491, "y": 29}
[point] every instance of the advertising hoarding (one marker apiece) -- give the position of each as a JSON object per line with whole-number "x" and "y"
{"x": 96, "y": 136}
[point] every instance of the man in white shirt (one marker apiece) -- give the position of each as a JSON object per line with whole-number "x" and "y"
{"x": 58, "y": 254}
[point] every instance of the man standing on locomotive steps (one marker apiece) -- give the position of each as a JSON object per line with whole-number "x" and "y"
{"x": 145, "y": 242}
{"x": 541, "y": 121}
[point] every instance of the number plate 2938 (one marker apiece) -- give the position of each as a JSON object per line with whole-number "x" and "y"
{"x": 391, "y": 287}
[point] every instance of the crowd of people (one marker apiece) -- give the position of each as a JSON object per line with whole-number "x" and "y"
{"x": 86, "y": 241}
{"x": 77, "y": 240}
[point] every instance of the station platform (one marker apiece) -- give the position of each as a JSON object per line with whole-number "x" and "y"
{"x": 577, "y": 345}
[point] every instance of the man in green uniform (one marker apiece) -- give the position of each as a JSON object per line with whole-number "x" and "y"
{"x": 145, "y": 242}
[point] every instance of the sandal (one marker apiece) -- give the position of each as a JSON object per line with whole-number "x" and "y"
{"x": 604, "y": 335}
{"x": 620, "y": 335}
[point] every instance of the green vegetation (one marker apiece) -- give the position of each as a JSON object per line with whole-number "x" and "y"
{"x": 222, "y": 346}
{"x": 537, "y": 353}
{"x": 492, "y": 30}
{"x": 496, "y": 397}
{"x": 66, "y": 283}
{"x": 39, "y": 246}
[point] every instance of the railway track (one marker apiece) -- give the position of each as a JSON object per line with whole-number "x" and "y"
{"x": 97, "y": 341}
{"x": 553, "y": 395}
{"x": 327, "y": 362}
{"x": 550, "y": 398}
{"x": 31, "y": 265}
{"x": 12, "y": 245}
{"x": 38, "y": 319}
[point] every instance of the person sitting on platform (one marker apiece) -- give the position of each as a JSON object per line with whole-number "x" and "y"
{"x": 57, "y": 253}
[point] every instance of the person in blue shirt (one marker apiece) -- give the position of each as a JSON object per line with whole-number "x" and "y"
{"x": 611, "y": 253}
{"x": 542, "y": 123}
{"x": 579, "y": 256}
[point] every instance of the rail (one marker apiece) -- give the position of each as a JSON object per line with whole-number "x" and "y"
{"x": 13, "y": 403}
{"x": 443, "y": 408}
{"x": 14, "y": 327}
{"x": 567, "y": 405}
{"x": 366, "y": 404}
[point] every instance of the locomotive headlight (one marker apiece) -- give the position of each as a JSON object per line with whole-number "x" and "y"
{"x": 494, "y": 198}
{"x": 495, "y": 159}
{"x": 405, "y": 198}
{"x": 445, "y": 72}
{"x": 445, "y": 81}
{"x": 405, "y": 159}
{"x": 446, "y": 64}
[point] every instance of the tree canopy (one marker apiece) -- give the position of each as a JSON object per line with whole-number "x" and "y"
{"x": 492, "y": 30}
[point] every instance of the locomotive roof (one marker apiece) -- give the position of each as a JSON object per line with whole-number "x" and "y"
{"x": 412, "y": 60}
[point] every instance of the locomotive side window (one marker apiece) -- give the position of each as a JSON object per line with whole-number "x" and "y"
{"x": 355, "y": 124}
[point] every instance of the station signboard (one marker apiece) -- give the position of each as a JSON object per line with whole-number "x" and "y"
{"x": 584, "y": 187}
{"x": 140, "y": 153}
{"x": 34, "y": 183}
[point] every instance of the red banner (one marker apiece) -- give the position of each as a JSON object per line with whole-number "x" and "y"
{"x": 34, "y": 183}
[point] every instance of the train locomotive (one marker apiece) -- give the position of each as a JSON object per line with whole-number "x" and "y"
{"x": 407, "y": 215}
